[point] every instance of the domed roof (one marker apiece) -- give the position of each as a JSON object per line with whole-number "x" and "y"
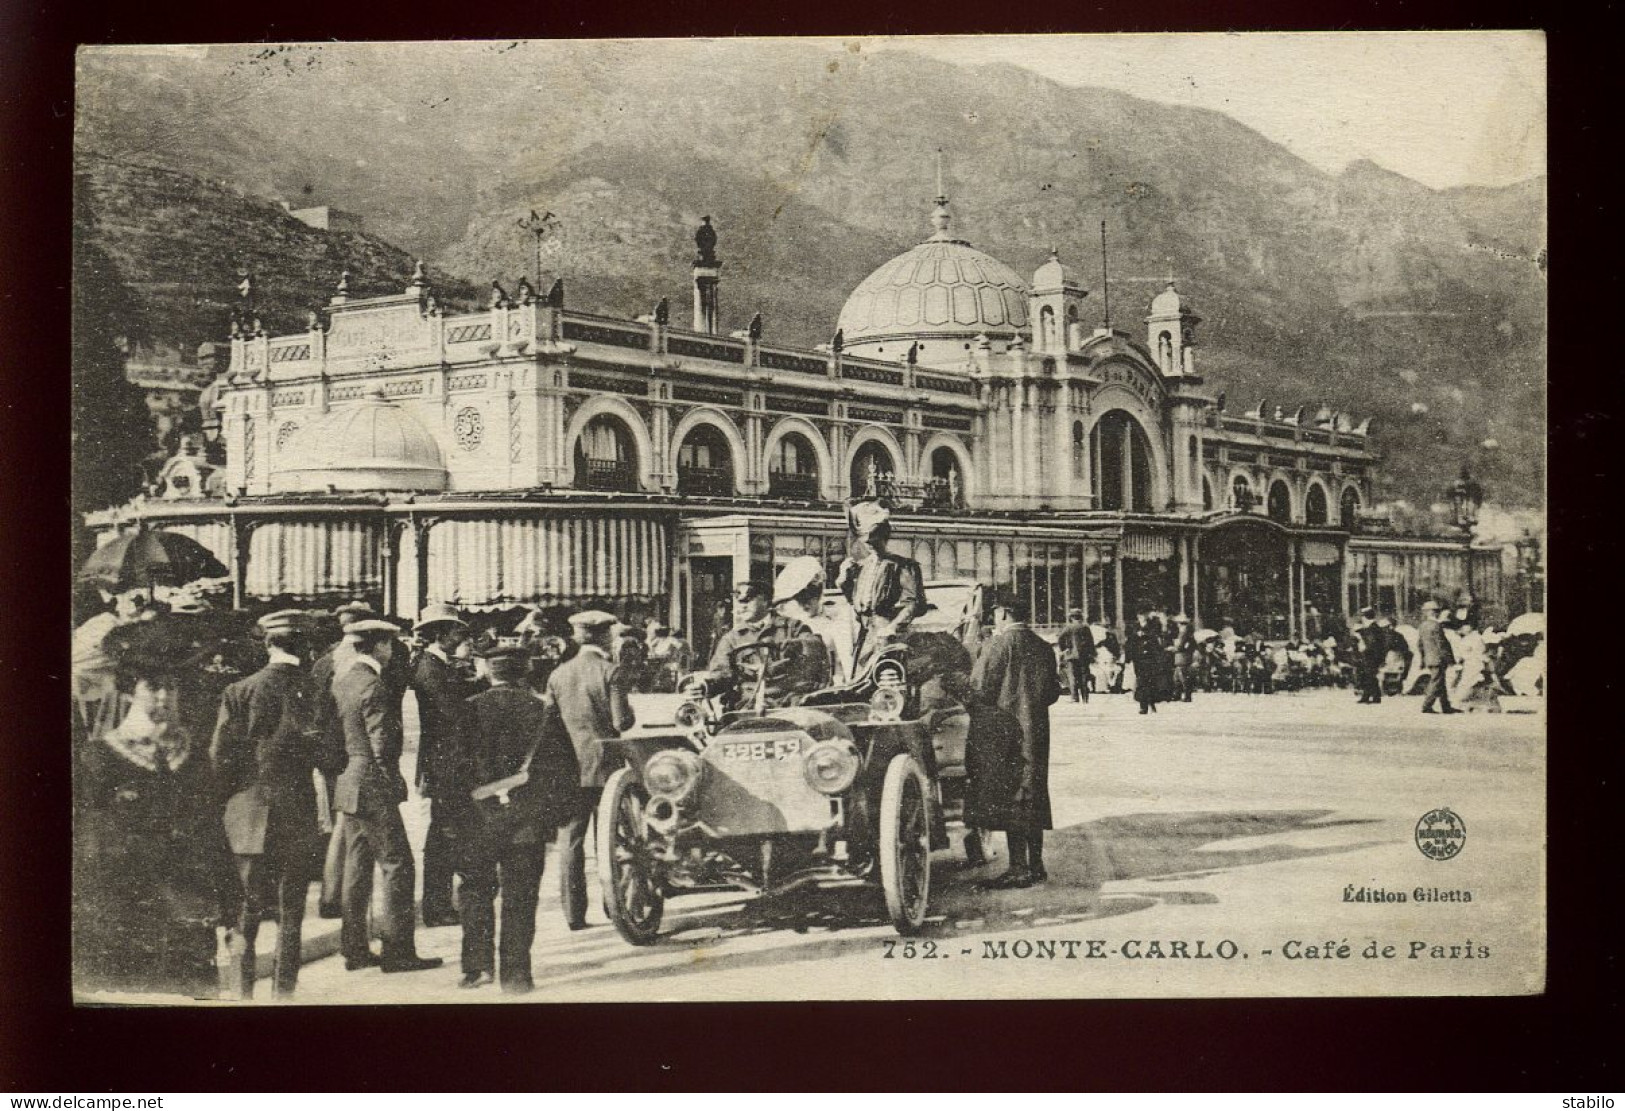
{"x": 942, "y": 288}
{"x": 372, "y": 445}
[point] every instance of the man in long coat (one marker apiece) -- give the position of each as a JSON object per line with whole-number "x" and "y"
{"x": 1372, "y": 655}
{"x": 440, "y": 690}
{"x": 592, "y": 703}
{"x": 264, "y": 758}
{"x": 369, "y": 793}
{"x": 1017, "y": 673}
{"x": 500, "y": 732}
{"x": 1437, "y": 659}
{"x": 1152, "y": 664}
{"x": 1077, "y": 645}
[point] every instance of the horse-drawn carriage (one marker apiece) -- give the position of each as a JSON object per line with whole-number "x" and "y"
{"x": 852, "y": 786}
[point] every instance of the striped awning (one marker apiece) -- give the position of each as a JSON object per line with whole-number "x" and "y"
{"x": 1147, "y": 547}
{"x": 309, "y": 559}
{"x": 553, "y": 559}
{"x": 215, "y": 535}
{"x": 1321, "y": 553}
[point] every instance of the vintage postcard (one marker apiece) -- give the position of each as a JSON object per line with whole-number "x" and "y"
{"x": 784, "y": 519}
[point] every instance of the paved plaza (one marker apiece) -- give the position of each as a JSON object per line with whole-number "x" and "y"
{"x": 1245, "y": 827}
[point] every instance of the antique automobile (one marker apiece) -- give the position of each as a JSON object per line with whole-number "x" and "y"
{"x": 853, "y": 786}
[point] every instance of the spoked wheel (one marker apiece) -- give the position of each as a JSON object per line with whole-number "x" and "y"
{"x": 633, "y": 898}
{"x": 905, "y": 843}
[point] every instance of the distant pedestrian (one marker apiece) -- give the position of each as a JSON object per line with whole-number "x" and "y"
{"x": 1437, "y": 659}
{"x": 1017, "y": 673}
{"x": 1152, "y": 665}
{"x": 1077, "y": 645}
{"x": 1371, "y": 656}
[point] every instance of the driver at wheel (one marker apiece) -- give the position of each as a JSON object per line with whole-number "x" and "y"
{"x": 800, "y": 662}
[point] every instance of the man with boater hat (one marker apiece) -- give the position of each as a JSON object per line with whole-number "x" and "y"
{"x": 369, "y": 793}
{"x": 330, "y": 744}
{"x": 508, "y": 739}
{"x": 440, "y": 691}
{"x": 264, "y": 757}
{"x": 592, "y": 703}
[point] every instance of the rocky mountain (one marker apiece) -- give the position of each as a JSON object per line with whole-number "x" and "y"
{"x": 1422, "y": 307}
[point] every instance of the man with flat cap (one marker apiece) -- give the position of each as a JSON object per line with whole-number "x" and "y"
{"x": 503, "y": 732}
{"x": 264, "y": 757}
{"x": 440, "y": 691}
{"x": 886, "y": 590}
{"x": 591, "y": 697}
{"x": 1077, "y": 645}
{"x": 1437, "y": 659}
{"x": 1371, "y": 655}
{"x": 330, "y": 744}
{"x": 369, "y": 793}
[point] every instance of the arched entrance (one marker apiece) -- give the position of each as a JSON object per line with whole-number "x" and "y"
{"x": 1122, "y": 473}
{"x": 792, "y": 468}
{"x": 1244, "y": 578}
{"x": 606, "y": 456}
{"x": 947, "y": 484}
{"x": 705, "y": 464}
{"x": 1280, "y": 503}
{"x": 1314, "y": 506}
{"x": 874, "y": 471}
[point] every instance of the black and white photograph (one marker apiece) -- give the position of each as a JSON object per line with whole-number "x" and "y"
{"x": 773, "y": 519}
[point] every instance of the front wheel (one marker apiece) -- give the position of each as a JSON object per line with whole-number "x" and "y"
{"x": 905, "y": 843}
{"x": 626, "y": 869}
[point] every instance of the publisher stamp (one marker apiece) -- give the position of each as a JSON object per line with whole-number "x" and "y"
{"x": 1440, "y": 834}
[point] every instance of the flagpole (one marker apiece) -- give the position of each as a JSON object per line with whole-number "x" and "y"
{"x": 1105, "y": 279}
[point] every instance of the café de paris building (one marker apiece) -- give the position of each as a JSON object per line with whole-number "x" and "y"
{"x": 537, "y": 453}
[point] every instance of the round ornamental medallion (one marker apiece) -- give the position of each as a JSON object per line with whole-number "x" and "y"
{"x": 285, "y": 432}
{"x": 1440, "y": 834}
{"x": 469, "y": 428}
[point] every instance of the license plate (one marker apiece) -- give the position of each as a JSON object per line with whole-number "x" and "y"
{"x": 779, "y": 749}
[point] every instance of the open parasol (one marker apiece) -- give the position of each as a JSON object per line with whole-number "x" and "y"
{"x": 1202, "y": 636}
{"x": 152, "y": 556}
{"x": 1527, "y": 623}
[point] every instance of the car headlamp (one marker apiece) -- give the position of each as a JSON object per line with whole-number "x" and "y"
{"x": 690, "y": 718}
{"x": 831, "y": 766}
{"x": 891, "y": 674}
{"x": 673, "y": 773}
{"x": 886, "y": 704}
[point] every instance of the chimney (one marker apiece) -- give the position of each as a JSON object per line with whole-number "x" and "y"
{"x": 707, "y": 276}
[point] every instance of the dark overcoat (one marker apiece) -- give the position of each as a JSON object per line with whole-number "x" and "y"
{"x": 264, "y": 753}
{"x": 1153, "y": 666}
{"x": 1016, "y": 672}
{"x": 498, "y": 730}
{"x": 440, "y": 692}
{"x": 369, "y": 712}
{"x": 592, "y": 703}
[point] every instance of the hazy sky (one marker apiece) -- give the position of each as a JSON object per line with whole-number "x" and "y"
{"x": 1445, "y": 108}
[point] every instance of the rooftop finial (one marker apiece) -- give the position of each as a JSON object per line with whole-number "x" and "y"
{"x": 940, "y": 217}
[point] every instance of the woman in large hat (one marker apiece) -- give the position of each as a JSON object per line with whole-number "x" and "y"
{"x": 149, "y": 850}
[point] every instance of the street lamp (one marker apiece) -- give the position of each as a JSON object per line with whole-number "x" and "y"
{"x": 1466, "y": 497}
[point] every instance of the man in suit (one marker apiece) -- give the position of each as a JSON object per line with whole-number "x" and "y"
{"x": 369, "y": 793}
{"x": 440, "y": 688}
{"x": 1077, "y": 644}
{"x": 503, "y": 731}
{"x": 1152, "y": 664}
{"x": 886, "y": 590}
{"x": 1372, "y": 655}
{"x": 1437, "y": 659}
{"x": 592, "y": 702}
{"x": 1182, "y": 646}
{"x": 264, "y": 757}
{"x": 1017, "y": 673}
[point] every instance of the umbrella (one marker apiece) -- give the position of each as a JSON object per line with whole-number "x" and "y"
{"x": 1202, "y": 636}
{"x": 1527, "y": 623}
{"x": 148, "y": 557}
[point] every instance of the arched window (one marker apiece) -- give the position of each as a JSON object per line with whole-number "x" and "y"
{"x": 874, "y": 473}
{"x": 1348, "y": 508}
{"x": 1046, "y": 328}
{"x": 1207, "y": 494}
{"x": 1079, "y": 447}
{"x": 947, "y": 485}
{"x": 1241, "y": 494}
{"x": 1165, "y": 351}
{"x": 1280, "y": 503}
{"x": 705, "y": 463}
{"x": 792, "y": 471}
{"x": 1314, "y": 506}
{"x": 606, "y": 457}
{"x": 1122, "y": 478}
